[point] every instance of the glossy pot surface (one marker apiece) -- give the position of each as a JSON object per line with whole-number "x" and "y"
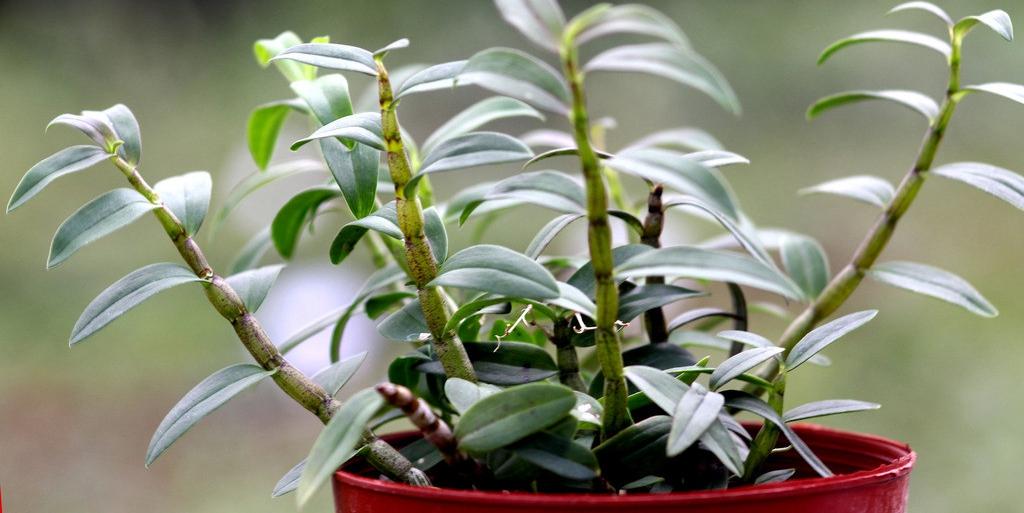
{"x": 872, "y": 476}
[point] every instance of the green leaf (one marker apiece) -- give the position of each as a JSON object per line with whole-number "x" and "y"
{"x": 701, "y": 339}
{"x": 660, "y": 387}
{"x": 511, "y": 415}
{"x": 95, "y": 125}
{"x": 763, "y": 410}
{"x": 188, "y": 197}
{"x": 1014, "y": 92}
{"x": 705, "y": 264}
{"x": 746, "y": 338}
{"x": 550, "y": 189}
{"x": 497, "y": 270}
{"x": 264, "y": 125}
{"x": 548, "y": 232}
{"x": 829, "y": 407}
{"x": 519, "y": 75}
{"x": 384, "y": 220}
{"x": 64, "y": 162}
{"x": 127, "y": 293}
{"x": 562, "y": 152}
{"x": 378, "y": 305}
{"x": 717, "y": 158}
{"x": 912, "y": 100}
{"x": 823, "y": 335}
{"x": 464, "y": 394}
{"x": 355, "y": 171}
{"x": 405, "y": 325}
{"x": 687, "y": 138}
{"x": 676, "y": 171}
{"x": 503, "y": 363}
{"x": 337, "y": 374}
{"x": 437, "y": 236}
{"x": 891, "y": 36}
{"x": 1001, "y": 183}
{"x": 547, "y": 138}
{"x": 740, "y": 231}
{"x": 633, "y": 452}
{"x": 864, "y": 188}
{"x": 266, "y": 49}
{"x": 394, "y": 45}
{"x": 295, "y": 214}
{"x": 331, "y": 56}
{"x": 698, "y": 314}
{"x": 583, "y": 278}
{"x": 432, "y": 78}
{"x": 338, "y": 442}
{"x": 775, "y": 476}
{"x": 252, "y": 252}
{"x": 934, "y": 282}
{"x": 722, "y": 443}
{"x": 327, "y": 97}
{"x": 99, "y": 217}
{"x": 253, "y": 285}
{"x": 630, "y": 19}
{"x": 997, "y": 20}
{"x": 923, "y": 6}
{"x": 127, "y": 129}
{"x": 363, "y": 127}
{"x": 471, "y": 150}
{"x": 650, "y": 296}
{"x": 207, "y": 396}
{"x": 541, "y": 21}
{"x": 289, "y": 481}
{"x": 806, "y": 262}
{"x": 669, "y": 61}
{"x": 257, "y": 181}
{"x": 559, "y": 455}
{"x": 573, "y": 299}
{"x": 477, "y": 115}
{"x": 696, "y": 411}
{"x": 740, "y": 363}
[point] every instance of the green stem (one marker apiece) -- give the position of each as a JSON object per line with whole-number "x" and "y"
{"x": 768, "y": 436}
{"x": 654, "y": 224}
{"x": 566, "y": 358}
{"x": 419, "y": 258}
{"x": 229, "y": 304}
{"x": 599, "y": 235}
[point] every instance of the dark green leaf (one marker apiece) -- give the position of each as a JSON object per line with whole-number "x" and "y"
{"x": 188, "y": 197}
{"x": 363, "y": 127}
{"x": 923, "y": 6}
{"x": 99, "y": 217}
{"x": 635, "y": 451}
{"x": 695, "y": 412}
{"x": 704, "y": 264}
{"x": 934, "y": 282}
{"x": 806, "y": 262}
{"x": 253, "y": 285}
{"x": 355, "y": 171}
{"x": 378, "y": 305}
{"x": 295, "y": 214}
{"x": 541, "y": 21}
{"x": 823, "y": 335}
{"x": 670, "y": 61}
{"x": 384, "y": 220}
{"x": 829, "y": 407}
{"x": 892, "y": 36}
{"x": 760, "y": 408}
{"x": 740, "y": 363}
{"x": 720, "y": 442}
{"x": 997, "y": 20}
{"x": 647, "y": 297}
{"x": 503, "y": 363}
{"x": 865, "y": 188}
{"x": 511, "y": 415}
{"x": 498, "y": 270}
{"x": 519, "y": 75}
{"x": 127, "y": 129}
{"x": 1001, "y": 183}
{"x": 264, "y": 125}
{"x": 207, "y": 396}
{"x": 338, "y": 442}
{"x": 331, "y": 56}
{"x": 66, "y": 161}
{"x": 477, "y": 115}
{"x": 558, "y": 455}
{"x": 912, "y": 100}
{"x": 337, "y": 374}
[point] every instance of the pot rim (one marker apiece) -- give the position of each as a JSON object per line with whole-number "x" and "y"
{"x": 902, "y": 461}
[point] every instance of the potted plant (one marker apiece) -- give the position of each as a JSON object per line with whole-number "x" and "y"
{"x": 538, "y": 381}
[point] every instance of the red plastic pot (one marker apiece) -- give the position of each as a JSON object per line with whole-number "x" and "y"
{"x": 872, "y": 476}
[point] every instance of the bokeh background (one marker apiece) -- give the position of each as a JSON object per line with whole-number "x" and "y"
{"x": 74, "y": 424}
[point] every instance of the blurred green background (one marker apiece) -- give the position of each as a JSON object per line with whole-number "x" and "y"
{"x": 74, "y": 424}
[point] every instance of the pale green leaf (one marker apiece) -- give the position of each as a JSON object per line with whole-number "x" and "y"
{"x": 257, "y": 181}
{"x": 101, "y": 216}
{"x": 438, "y": 76}
{"x": 864, "y": 188}
{"x": 93, "y": 124}
{"x": 928, "y": 7}
{"x": 548, "y": 232}
{"x": 363, "y": 127}
{"x": 828, "y": 407}
{"x": 997, "y": 20}
{"x": 289, "y": 481}
{"x": 819, "y": 338}
{"x": 1014, "y": 92}
{"x": 331, "y": 56}
{"x": 740, "y": 363}
{"x": 497, "y": 270}
{"x": 693, "y": 415}
{"x": 337, "y": 374}
{"x": 188, "y": 197}
{"x": 890, "y": 36}
{"x": 630, "y": 19}
{"x": 934, "y": 282}
{"x": 1001, "y": 183}
{"x": 912, "y": 100}
{"x": 763, "y": 410}
{"x": 64, "y": 162}
{"x": 519, "y": 75}
{"x": 253, "y": 285}
{"x": 252, "y": 252}
{"x": 687, "y": 138}
{"x": 675, "y": 171}
{"x": 806, "y": 263}
{"x": 541, "y": 21}
{"x": 477, "y": 115}
{"x": 127, "y": 129}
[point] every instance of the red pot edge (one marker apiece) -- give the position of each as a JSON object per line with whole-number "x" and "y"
{"x": 898, "y": 468}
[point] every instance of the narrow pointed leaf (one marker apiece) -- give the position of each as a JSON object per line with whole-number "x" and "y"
{"x": 550, "y": 189}
{"x": 548, "y": 233}
{"x": 127, "y": 293}
{"x": 541, "y": 21}
{"x": 698, "y": 314}
{"x": 475, "y": 149}
{"x": 101, "y": 216}
{"x": 746, "y": 338}
{"x": 775, "y": 476}
{"x": 703, "y": 264}
{"x": 997, "y": 20}
{"x": 926, "y": 7}
{"x": 295, "y": 214}
{"x": 289, "y": 481}
{"x": 559, "y": 455}
{"x": 864, "y": 188}
{"x": 573, "y": 299}
{"x": 1014, "y": 92}
{"x": 64, "y": 162}
{"x": 806, "y": 263}
{"x": 547, "y": 138}
{"x": 497, "y": 270}
{"x": 477, "y": 115}
{"x": 934, "y": 282}
{"x": 263, "y": 127}
{"x": 254, "y": 285}
{"x": 188, "y": 196}
{"x": 717, "y": 158}
{"x": 829, "y": 407}
{"x": 127, "y": 129}
{"x": 338, "y": 442}
{"x": 433, "y": 78}
{"x": 561, "y": 152}
{"x": 331, "y": 56}
{"x": 675, "y": 171}
{"x": 686, "y": 138}
{"x": 740, "y": 231}
{"x": 890, "y": 36}
{"x": 761, "y": 409}
{"x": 650, "y": 296}
{"x": 1001, "y": 183}
{"x": 384, "y": 220}
{"x": 725, "y": 446}
{"x": 660, "y": 387}
{"x": 519, "y": 75}
{"x": 632, "y": 19}
{"x": 394, "y": 45}
{"x": 363, "y": 128}
{"x": 503, "y": 363}
{"x": 695, "y": 412}
{"x": 672, "y": 62}
{"x": 252, "y": 252}
{"x": 912, "y": 100}
{"x": 511, "y": 415}
{"x": 257, "y": 181}
{"x": 202, "y": 400}
{"x": 337, "y": 374}
{"x": 823, "y": 335}
{"x": 740, "y": 363}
